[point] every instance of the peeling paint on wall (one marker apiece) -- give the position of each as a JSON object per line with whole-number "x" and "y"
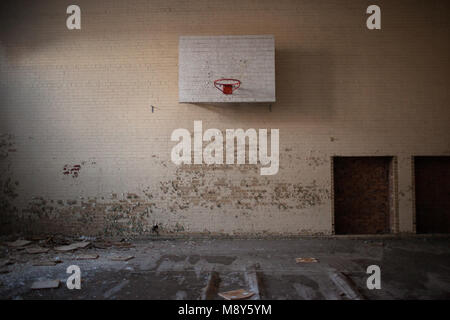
{"x": 194, "y": 187}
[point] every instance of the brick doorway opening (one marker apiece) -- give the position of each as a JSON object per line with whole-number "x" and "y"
{"x": 432, "y": 191}
{"x": 364, "y": 195}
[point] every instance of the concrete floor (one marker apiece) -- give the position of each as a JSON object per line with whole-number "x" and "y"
{"x": 411, "y": 268}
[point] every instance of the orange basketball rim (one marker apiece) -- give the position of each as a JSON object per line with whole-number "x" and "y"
{"x": 227, "y": 86}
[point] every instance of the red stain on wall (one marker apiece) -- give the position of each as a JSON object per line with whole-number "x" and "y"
{"x": 72, "y": 170}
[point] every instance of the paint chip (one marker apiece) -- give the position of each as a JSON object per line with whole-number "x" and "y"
{"x": 18, "y": 243}
{"x": 236, "y": 294}
{"x": 73, "y": 246}
{"x": 121, "y": 258}
{"x": 36, "y": 250}
{"x": 46, "y": 284}
{"x": 306, "y": 260}
{"x": 87, "y": 257}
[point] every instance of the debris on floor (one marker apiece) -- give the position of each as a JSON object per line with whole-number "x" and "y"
{"x": 47, "y": 263}
{"x": 209, "y": 292}
{"x": 306, "y": 260}
{"x": 347, "y": 287}
{"x": 236, "y": 294}
{"x": 201, "y": 269}
{"x": 87, "y": 238}
{"x": 121, "y": 258}
{"x": 36, "y": 250}
{"x": 18, "y": 243}
{"x": 73, "y": 246}
{"x": 46, "y": 284}
{"x": 114, "y": 290}
{"x": 87, "y": 257}
{"x": 54, "y": 240}
{"x": 6, "y": 262}
{"x": 102, "y": 245}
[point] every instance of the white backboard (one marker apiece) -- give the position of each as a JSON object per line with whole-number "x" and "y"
{"x": 203, "y": 59}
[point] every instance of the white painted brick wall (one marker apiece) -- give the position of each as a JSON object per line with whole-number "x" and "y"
{"x": 203, "y": 59}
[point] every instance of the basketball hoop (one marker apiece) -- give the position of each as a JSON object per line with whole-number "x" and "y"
{"x": 227, "y": 86}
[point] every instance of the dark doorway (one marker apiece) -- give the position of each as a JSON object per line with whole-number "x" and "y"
{"x": 432, "y": 179}
{"x": 363, "y": 195}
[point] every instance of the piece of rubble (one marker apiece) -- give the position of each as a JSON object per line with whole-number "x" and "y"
{"x": 18, "y": 243}
{"x": 47, "y": 263}
{"x": 36, "y": 250}
{"x": 87, "y": 257}
{"x": 306, "y": 260}
{"x": 347, "y": 287}
{"x": 46, "y": 284}
{"x": 236, "y": 294}
{"x": 87, "y": 238}
{"x": 102, "y": 245}
{"x": 58, "y": 240}
{"x": 73, "y": 246}
{"x": 212, "y": 286}
{"x": 6, "y": 262}
{"x": 121, "y": 258}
